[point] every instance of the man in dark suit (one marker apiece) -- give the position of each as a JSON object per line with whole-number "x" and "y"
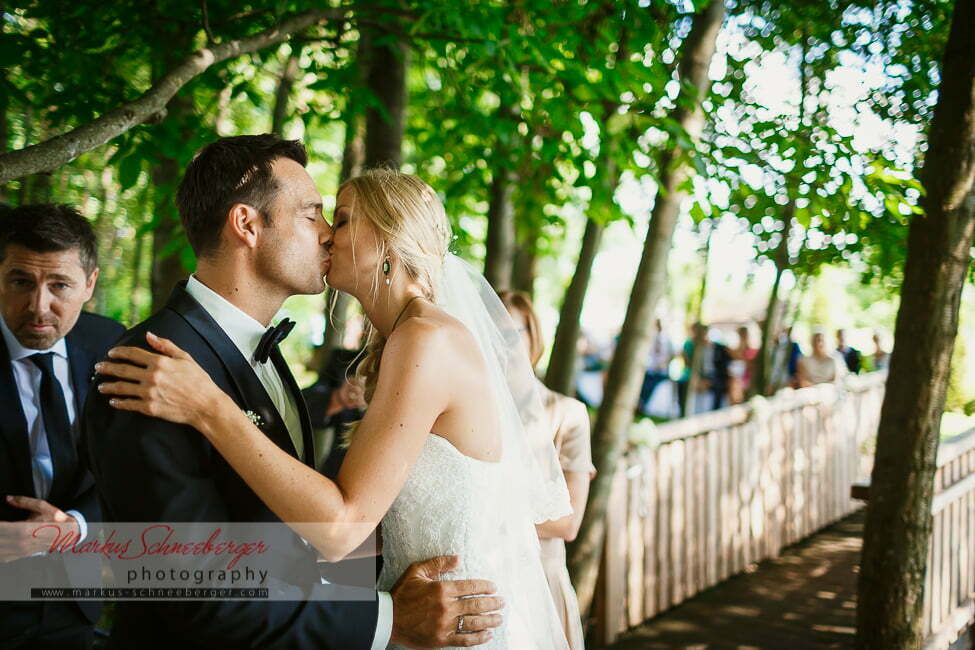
{"x": 722, "y": 375}
{"x": 851, "y": 356}
{"x": 254, "y": 219}
{"x": 48, "y": 348}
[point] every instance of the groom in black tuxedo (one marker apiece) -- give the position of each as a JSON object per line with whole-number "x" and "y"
{"x": 254, "y": 219}
{"x": 48, "y": 347}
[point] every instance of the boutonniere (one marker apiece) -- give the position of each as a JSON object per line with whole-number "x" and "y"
{"x": 255, "y": 418}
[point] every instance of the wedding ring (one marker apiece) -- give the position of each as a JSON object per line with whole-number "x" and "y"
{"x": 460, "y": 624}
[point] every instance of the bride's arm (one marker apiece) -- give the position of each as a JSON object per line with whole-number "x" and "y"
{"x": 372, "y": 547}
{"x": 410, "y": 395}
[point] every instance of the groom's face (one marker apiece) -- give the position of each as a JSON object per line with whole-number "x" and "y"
{"x": 294, "y": 248}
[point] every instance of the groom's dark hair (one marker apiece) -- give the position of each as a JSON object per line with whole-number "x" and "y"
{"x": 226, "y": 172}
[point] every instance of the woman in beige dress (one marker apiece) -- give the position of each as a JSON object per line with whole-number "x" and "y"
{"x": 568, "y": 422}
{"x": 822, "y": 366}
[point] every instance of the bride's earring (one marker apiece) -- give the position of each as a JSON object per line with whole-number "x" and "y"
{"x": 386, "y": 268}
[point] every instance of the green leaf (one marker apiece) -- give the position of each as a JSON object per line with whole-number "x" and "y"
{"x": 128, "y": 171}
{"x": 12, "y": 48}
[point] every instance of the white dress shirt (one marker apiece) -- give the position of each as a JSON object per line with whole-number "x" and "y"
{"x": 27, "y": 376}
{"x": 246, "y": 333}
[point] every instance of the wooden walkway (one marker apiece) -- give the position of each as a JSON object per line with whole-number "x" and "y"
{"x": 803, "y": 599}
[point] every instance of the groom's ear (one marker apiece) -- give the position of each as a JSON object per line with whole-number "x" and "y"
{"x": 244, "y": 224}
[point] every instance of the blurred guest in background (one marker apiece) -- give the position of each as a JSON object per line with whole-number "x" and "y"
{"x": 822, "y": 366}
{"x": 568, "y": 425}
{"x": 785, "y": 362}
{"x": 851, "y": 356}
{"x": 590, "y": 380}
{"x": 658, "y": 367}
{"x": 741, "y": 366}
{"x": 704, "y": 383}
{"x": 880, "y": 357}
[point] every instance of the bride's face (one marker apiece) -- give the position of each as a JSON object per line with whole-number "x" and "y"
{"x": 355, "y": 248}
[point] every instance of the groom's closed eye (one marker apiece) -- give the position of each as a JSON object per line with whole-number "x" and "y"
{"x": 312, "y": 210}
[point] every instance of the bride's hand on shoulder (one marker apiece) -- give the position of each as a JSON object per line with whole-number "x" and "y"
{"x": 165, "y": 384}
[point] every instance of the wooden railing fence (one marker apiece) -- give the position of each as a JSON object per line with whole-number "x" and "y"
{"x": 721, "y": 491}
{"x": 949, "y": 587}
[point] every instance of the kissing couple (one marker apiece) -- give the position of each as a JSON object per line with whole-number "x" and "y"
{"x": 197, "y": 418}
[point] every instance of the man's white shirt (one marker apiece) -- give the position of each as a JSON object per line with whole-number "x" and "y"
{"x": 27, "y": 377}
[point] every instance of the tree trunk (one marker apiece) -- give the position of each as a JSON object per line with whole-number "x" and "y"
{"x": 142, "y": 262}
{"x": 167, "y": 267}
{"x": 770, "y": 327}
{"x": 770, "y": 330}
{"x": 697, "y": 355}
{"x": 385, "y": 75}
{"x": 561, "y": 372}
{"x": 285, "y": 85}
{"x": 898, "y": 522}
{"x": 100, "y": 186}
{"x": 525, "y": 266}
{"x": 706, "y": 262}
{"x": 4, "y": 131}
{"x": 500, "y": 244}
{"x": 626, "y": 369}
{"x": 354, "y": 151}
{"x": 802, "y": 284}
{"x": 40, "y": 188}
{"x": 168, "y": 237}
{"x": 499, "y": 256}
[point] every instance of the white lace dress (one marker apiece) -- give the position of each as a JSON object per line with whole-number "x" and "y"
{"x": 448, "y": 506}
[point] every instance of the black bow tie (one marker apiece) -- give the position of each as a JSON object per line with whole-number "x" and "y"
{"x": 271, "y": 338}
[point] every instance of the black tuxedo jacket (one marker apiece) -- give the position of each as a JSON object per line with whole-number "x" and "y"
{"x": 73, "y": 488}
{"x": 148, "y": 470}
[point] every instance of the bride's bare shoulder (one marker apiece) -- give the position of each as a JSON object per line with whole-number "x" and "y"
{"x": 434, "y": 334}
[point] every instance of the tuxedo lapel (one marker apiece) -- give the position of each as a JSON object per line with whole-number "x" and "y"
{"x": 306, "y": 432}
{"x": 13, "y": 428}
{"x": 251, "y": 395}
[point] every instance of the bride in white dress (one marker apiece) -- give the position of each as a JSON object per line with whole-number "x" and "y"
{"x": 442, "y": 457}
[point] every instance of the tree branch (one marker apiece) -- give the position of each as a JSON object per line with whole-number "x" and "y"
{"x": 64, "y": 148}
{"x": 206, "y": 23}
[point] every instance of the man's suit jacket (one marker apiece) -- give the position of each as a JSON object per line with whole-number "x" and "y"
{"x": 73, "y": 488}
{"x": 852, "y": 358}
{"x": 722, "y": 373}
{"x": 147, "y": 469}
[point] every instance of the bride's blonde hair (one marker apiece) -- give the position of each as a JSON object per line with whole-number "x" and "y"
{"x": 413, "y": 232}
